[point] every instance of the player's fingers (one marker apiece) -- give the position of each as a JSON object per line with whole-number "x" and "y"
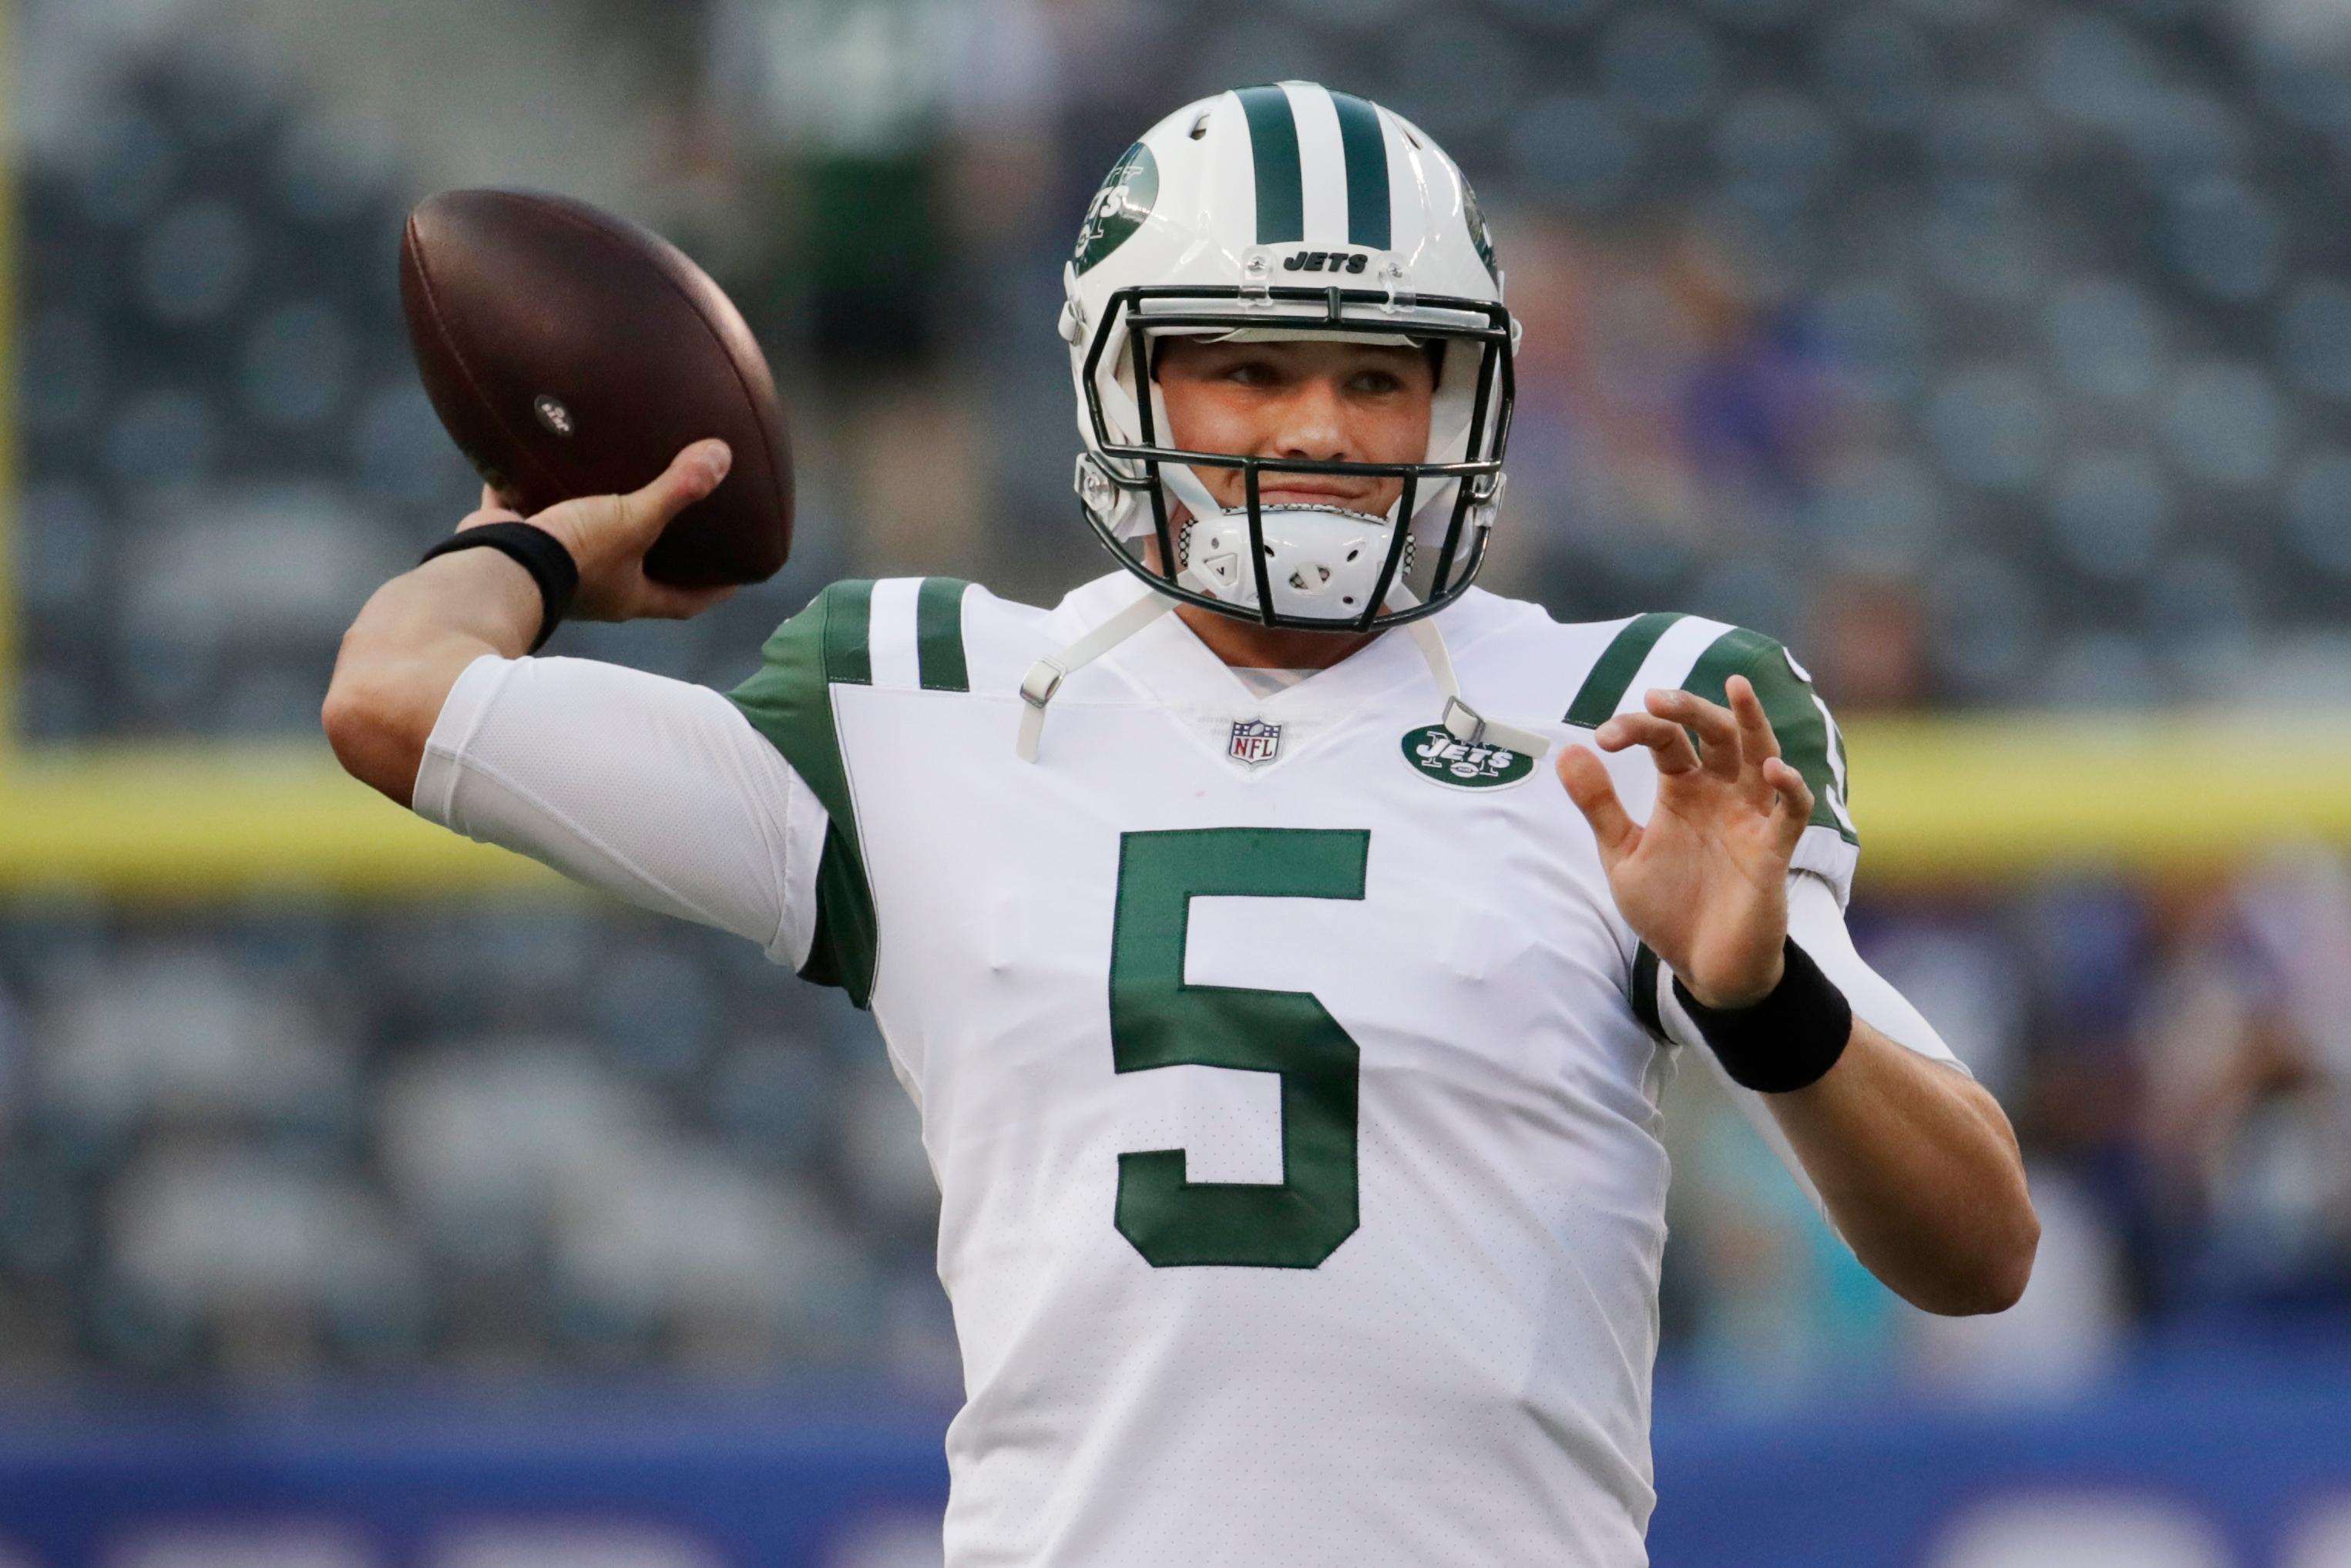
{"x": 1718, "y": 732}
{"x": 1713, "y": 731}
{"x": 1757, "y": 744}
{"x": 1586, "y": 779}
{"x": 642, "y": 515}
{"x": 1793, "y": 805}
{"x": 691, "y": 474}
{"x": 1668, "y": 742}
{"x": 1756, "y": 735}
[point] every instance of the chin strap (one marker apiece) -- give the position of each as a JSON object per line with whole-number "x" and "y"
{"x": 1461, "y": 721}
{"x": 1046, "y": 675}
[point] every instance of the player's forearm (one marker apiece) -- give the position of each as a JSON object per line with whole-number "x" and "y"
{"x": 412, "y": 641}
{"x": 1921, "y": 1173}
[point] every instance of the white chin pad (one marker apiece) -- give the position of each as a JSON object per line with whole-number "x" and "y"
{"x": 1322, "y": 563}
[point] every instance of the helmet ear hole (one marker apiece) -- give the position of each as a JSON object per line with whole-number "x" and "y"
{"x": 1200, "y": 126}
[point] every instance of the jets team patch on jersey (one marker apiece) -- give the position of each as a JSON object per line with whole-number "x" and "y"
{"x": 1438, "y": 755}
{"x": 1254, "y": 741}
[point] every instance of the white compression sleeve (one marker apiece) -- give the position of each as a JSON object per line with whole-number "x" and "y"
{"x": 654, "y": 791}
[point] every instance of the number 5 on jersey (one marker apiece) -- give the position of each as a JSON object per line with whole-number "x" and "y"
{"x": 1156, "y": 1019}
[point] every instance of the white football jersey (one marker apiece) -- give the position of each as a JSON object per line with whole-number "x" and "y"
{"x": 1289, "y": 1074}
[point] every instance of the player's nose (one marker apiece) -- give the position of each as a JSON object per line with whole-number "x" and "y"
{"x": 1313, "y": 426}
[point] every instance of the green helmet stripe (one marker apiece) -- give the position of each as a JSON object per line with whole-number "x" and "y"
{"x": 1366, "y": 150}
{"x": 1280, "y": 178}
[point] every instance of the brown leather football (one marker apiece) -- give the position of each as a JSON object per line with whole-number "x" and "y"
{"x": 569, "y": 352}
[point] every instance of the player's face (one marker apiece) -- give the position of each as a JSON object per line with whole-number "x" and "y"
{"x": 1330, "y": 402}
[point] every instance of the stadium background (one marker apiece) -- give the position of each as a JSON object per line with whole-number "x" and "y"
{"x": 368, "y": 1199}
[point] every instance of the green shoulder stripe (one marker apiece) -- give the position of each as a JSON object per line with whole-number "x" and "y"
{"x": 1806, "y": 737}
{"x": 938, "y": 635}
{"x": 847, "y": 632}
{"x": 790, "y": 701}
{"x": 1604, "y": 688}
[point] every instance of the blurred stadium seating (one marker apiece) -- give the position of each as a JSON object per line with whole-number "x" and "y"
{"x": 1994, "y": 354}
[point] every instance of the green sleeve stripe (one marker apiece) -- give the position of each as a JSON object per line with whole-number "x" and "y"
{"x": 1796, "y": 719}
{"x": 1645, "y": 990}
{"x": 841, "y": 953}
{"x": 848, "y": 634}
{"x": 789, "y": 701}
{"x": 939, "y": 635}
{"x": 1618, "y": 663}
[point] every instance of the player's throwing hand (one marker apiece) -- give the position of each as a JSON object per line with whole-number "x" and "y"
{"x": 608, "y": 536}
{"x": 1704, "y": 884}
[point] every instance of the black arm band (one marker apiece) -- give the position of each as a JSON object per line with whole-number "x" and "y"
{"x": 538, "y": 552}
{"x": 1789, "y": 1039}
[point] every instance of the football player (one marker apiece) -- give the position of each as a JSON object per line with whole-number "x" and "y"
{"x": 1287, "y": 1039}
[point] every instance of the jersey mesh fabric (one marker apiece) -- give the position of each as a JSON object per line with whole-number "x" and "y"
{"x": 1461, "y": 1378}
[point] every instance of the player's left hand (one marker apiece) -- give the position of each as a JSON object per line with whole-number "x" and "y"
{"x": 1704, "y": 883}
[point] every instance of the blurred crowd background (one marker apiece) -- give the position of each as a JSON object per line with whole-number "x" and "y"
{"x": 1993, "y": 354}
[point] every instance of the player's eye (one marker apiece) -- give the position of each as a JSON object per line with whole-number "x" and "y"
{"x": 1375, "y": 383}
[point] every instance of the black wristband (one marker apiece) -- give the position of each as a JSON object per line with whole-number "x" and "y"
{"x": 1786, "y": 1042}
{"x": 538, "y": 552}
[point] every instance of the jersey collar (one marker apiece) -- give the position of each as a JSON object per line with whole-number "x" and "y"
{"x": 1166, "y": 663}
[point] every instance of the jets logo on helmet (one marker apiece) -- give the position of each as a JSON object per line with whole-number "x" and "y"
{"x": 1119, "y": 207}
{"x": 1479, "y": 234}
{"x": 1210, "y": 227}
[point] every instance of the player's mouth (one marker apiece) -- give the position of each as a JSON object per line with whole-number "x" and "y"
{"x": 1354, "y": 497}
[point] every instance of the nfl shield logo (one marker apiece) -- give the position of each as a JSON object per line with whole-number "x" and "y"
{"x": 1254, "y": 741}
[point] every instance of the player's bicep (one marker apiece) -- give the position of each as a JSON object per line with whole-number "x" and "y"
{"x": 654, "y": 791}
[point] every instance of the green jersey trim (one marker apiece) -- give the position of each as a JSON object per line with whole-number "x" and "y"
{"x": 1595, "y": 701}
{"x": 1808, "y": 739}
{"x": 848, "y": 632}
{"x": 790, "y": 701}
{"x": 939, "y": 635}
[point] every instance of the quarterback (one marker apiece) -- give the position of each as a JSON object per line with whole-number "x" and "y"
{"x": 1283, "y": 940}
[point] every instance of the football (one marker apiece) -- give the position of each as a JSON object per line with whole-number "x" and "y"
{"x": 569, "y": 352}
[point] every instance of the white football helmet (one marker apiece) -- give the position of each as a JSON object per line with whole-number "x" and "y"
{"x": 1289, "y": 211}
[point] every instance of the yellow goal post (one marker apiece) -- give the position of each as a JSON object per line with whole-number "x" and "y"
{"x": 1940, "y": 801}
